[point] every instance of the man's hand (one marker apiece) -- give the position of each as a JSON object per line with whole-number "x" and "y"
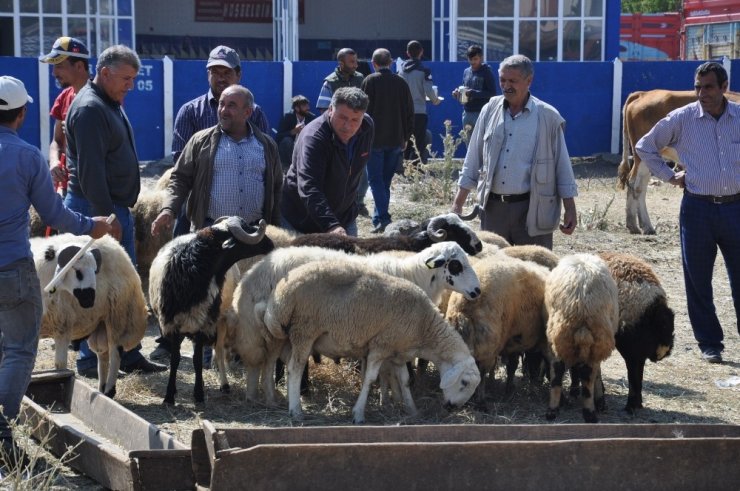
{"x": 339, "y": 230}
{"x": 570, "y": 217}
{"x": 163, "y": 221}
{"x": 116, "y": 231}
{"x": 678, "y": 179}
{"x": 100, "y": 227}
{"x": 58, "y": 173}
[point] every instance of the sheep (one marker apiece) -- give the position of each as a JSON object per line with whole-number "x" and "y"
{"x": 441, "y": 228}
{"x": 100, "y": 298}
{"x": 442, "y": 266}
{"x": 144, "y": 212}
{"x": 646, "y": 322}
{"x": 507, "y": 318}
{"x": 186, "y": 287}
{"x": 280, "y": 237}
{"x": 343, "y": 309}
{"x": 582, "y": 306}
{"x": 492, "y": 238}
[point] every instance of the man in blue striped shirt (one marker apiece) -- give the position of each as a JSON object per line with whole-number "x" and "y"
{"x": 706, "y": 136}
{"x": 24, "y": 181}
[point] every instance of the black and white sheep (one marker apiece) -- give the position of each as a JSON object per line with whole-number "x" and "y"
{"x": 99, "y": 298}
{"x": 348, "y": 310}
{"x": 441, "y": 228}
{"x": 582, "y": 306}
{"x": 646, "y": 323}
{"x": 186, "y": 287}
{"x": 442, "y": 266}
{"x": 508, "y": 318}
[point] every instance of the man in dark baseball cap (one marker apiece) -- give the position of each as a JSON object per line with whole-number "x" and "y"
{"x": 223, "y": 56}
{"x": 63, "y": 47}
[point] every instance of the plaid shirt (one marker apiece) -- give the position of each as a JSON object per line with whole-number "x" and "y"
{"x": 202, "y": 113}
{"x": 238, "y": 187}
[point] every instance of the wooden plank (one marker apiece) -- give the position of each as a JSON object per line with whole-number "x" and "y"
{"x": 162, "y": 469}
{"x": 614, "y": 464}
{"x": 249, "y": 437}
{"x": 201, "y": 461}
{"x": 50, "y": 387}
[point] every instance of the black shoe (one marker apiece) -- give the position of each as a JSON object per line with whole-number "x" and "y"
{"x": 378, "y": 229}
{"x": 711, "y": 356}
{"x": 92, "y": 372}
{"x": 362, "y": 210}
{"x": 145, "y": 366}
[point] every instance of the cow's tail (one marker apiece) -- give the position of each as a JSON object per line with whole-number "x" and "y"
{"x": 623, "y": 172}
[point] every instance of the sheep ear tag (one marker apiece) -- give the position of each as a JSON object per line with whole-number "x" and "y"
{"x": 435, "y": 262}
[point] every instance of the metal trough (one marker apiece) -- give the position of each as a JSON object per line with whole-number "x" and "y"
{"x": 115, "y": 447}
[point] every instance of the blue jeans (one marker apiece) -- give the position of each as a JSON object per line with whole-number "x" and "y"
{"x": 80, "y": 204}
{"x": 380, "y": 170}
{"x": 20, "y": 324}
{"x": 706, "y": 226}
{"x": 470, "y": 118}
{"x": 362, "y": 190}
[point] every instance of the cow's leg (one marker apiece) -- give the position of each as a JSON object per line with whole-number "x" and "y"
{"x": 642, "y": 180}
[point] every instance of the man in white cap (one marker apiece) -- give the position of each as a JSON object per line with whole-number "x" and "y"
{"x": 69, "y": 58}
{"x": 24, "y": 181}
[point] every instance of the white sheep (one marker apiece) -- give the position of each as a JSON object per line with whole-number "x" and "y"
{"x": 144, "y": 212}
{"x": 582, "y": 306}
{"x": 442, "y": 266}
{"x": 508, "y": 318}
{"x": 343, "y": 309}
{"x": 100, "y": 298}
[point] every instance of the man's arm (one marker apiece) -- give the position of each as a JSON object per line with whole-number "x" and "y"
{"x": 286, "y": 127}
{"x": 324, "y": 97}
{"x": 311, "y": 170}
{"x": 259, "y": 119}
{"x": 181, "y": 182}
{"x": 56, "y": 149}
{"x": 489, "y": 86}
{"x": 470, "y": 172}
{"x": 184, "y": 129}
{"x": 664, "y": 134}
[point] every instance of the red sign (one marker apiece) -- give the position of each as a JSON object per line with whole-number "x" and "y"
{"x": 251, "y": 11}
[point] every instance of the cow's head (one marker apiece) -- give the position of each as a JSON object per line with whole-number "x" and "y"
{"x": 80, "y": 279}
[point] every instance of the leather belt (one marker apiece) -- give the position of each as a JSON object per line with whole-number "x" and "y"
{"x": 509, "y": 198}
{"x": 717, "y": 200}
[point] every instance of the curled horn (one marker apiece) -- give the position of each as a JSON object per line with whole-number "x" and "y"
{"x": 234, "y": 225}
{"x": 471, "y": 215}
{"x": 435, "y": 231}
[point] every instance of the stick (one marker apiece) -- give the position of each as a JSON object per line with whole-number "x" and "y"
{"x": 53, "y": 283}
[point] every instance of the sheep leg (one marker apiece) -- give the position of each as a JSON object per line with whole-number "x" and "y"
{"x": 635, "y": 373}
{"x": 103, "y": 365}
{"x": 198, "y": 394}
{"x": 557, "y": 371}
{"x": 402, "y": 379}
{"x": 113, "y": 359}
{"x": 599, "y": 392}
{"x": 588, "y": 378}
{"x": 175, "y": 342}
{"x": 512, "y": 363}
{"x": 60, "y": 352}
{"x": 480, "y": 392}
{"x": 372, "y": 367}
{"x": 575, "y": 383}
{"x": 220, "y": 352}
{"x": 296, "y": 364}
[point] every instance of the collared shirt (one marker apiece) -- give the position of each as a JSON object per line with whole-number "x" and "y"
{"x": 25, "y": 181}
{"x": 709, "y": 148}
{"x": 202, "y": 113}
{"x": 238, "y": 186}
{"x": 514, "y": 168}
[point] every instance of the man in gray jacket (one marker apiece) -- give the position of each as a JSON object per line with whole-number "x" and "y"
{"x": 518, "y": 152}
{"x": 419, "y": 79}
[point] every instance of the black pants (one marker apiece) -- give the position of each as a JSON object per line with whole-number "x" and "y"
{"x": 420, "y": 133}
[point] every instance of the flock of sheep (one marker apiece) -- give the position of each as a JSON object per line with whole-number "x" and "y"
{"x": 440, "y": 292}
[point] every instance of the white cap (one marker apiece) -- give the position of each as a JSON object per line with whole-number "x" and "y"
{"x": 12, "y": 93}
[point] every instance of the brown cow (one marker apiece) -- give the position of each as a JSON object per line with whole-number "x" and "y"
{"x": 642, "y": 110}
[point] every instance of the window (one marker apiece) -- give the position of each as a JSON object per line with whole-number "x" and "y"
{"x": 544, "y": 30}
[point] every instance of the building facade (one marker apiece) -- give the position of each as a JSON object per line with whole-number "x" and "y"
{"x": 544, "y": 30}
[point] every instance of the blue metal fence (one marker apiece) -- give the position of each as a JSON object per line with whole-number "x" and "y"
{"x": 582, "y": 92}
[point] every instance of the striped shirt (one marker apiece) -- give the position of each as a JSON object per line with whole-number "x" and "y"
{"x": 709, "y": 148}
{"x": 238, "y": 187}
{"x": 325, "y": 95}
{"x": 514, "y": 168}
{"x": 202, "y": 113}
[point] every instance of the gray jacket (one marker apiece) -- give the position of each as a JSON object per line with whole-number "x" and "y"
{"x": 552, "y": 176}
{"x": 419, "y": 79}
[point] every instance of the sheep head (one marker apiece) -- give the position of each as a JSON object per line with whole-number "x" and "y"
{"x": 455, "y": 269}
{"x": 451, "y": 227}
{"x": 459, "y": 382}
{"x": 80, "y": 280}
{"x": 238, "y": 228}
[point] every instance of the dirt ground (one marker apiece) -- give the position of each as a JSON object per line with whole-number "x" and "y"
{"x": 679, "y": 389}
